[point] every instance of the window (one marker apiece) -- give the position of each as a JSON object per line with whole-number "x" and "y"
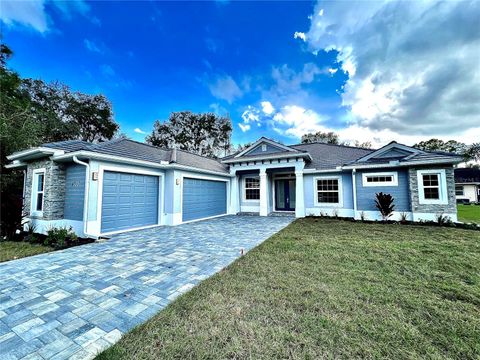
{"x": 380, "y": 179}
{"x": 252, "y": 188}
{"x": 432, "y": 187}
{"x": 459, "y": 190}
{"x": 38, "y": 187}
{"x": 264, "y": 147}
{"x": 328, "y": 191}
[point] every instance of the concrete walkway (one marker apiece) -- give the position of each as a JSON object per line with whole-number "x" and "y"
{"x": 74, "y": 303}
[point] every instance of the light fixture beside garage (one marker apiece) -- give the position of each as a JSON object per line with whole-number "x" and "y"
{"x": 177, "y": 181}
{"x": 95, "y": 176}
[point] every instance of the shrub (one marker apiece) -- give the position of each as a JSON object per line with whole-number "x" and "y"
{"x": 60, "y": 237}
{"x": 363, "y": 216}
{"x": 30, "y": 236}
{"x": 442, "y": 219}
{"x": 384, "y": 203}
{"x": 403, "y": 217}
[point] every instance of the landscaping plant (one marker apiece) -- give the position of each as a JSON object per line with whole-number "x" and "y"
{"x": 384, "y": 204}
{"x": 60, "y": 237}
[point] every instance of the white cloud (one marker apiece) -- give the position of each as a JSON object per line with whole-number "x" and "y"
{"x": 225, "y": 88}
{"x": 90, "y": 45}
{"x": 26, "y": 13}
{"x": 332, "y": 71}
{"x": 267, "y": 107}
{"x": 139, "y": 131}
{"x": 413, "y": 67}
{"x": 296, "y": 121}
{"x": 33, "y": 14}
{"x": 300, "y": 35}
{"x": 244, "y": 127}
{"x": 251, "y": 115}
{"x": 218, "y": 109}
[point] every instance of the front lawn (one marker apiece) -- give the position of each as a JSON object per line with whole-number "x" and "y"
{"x": 11, "y": 250}
{"x": 325, "y": 288}
{"x": 468, "y": 213}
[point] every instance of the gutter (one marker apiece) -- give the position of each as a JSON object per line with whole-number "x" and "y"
{"x": 40, "y": 150}
{"x": 87, "y": 191}
{"x": 162, "y": 165}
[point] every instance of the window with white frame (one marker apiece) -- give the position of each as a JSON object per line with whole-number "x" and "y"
{"x": 459, "y": 190}
{"x": 380, "y": 179}
{"x": 38, "y": 191}
{"x": 252, "y": 188}
{"x": 328, "y": 191}
{"x": 432, "y": 187}
{"x": 264, "y": 147}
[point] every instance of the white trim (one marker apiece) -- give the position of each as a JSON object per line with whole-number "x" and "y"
{"x": 267, "y": 157}
{"x": 130, "y": 170}
{"x": 329, "y": 211}
{"x": 34, "y": 193}
{"x": 41, "y": 150}
{"x": 340, "y": 191}
{"x": 268, "y": 141}
{"x": 244, "y": 188}
{"x": 442, "y": 187}
{"x": 164, "y": 165}
{"x": 397, "y": 164}
{"x": 250, "y": 208}
{"x": 202, "y": 177}
{"x": 42, "y": 226}
{"x": 393, "y": 174}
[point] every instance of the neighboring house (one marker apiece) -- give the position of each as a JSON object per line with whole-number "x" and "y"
{"x": 119, "y": 185}
{"x": 467, "y": 184}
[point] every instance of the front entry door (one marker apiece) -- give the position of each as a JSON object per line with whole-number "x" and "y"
{"x": 285, "y": 195}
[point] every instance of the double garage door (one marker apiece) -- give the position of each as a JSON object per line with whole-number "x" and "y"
{"x": 131, "y": 200}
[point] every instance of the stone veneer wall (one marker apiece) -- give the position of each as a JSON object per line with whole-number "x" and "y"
{"x": 450, "y": 208}
{"x": 54, "y": 190}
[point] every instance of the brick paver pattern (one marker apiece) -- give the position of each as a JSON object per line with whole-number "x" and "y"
{"x": 74, "y": 303}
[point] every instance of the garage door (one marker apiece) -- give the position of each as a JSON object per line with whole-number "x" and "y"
{"x": 128, "y": 201}
{"x": 203, "y": 198}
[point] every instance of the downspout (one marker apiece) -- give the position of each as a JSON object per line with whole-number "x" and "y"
{"x": 354, "y": 186}
{"x": 87, "y": 190}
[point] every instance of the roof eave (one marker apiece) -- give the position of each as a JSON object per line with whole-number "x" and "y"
{"x": 34, "y": 153}
{"x": 268, "y": 157}
{"x": 404, "y": 163}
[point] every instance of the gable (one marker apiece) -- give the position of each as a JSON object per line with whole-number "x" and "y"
{"x": 263, "y": 148}
{"x": 393, "y": 153}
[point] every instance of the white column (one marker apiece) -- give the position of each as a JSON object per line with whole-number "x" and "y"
{"x": 263, "y": 193}
{"x": 234, "y": 208}
{"x": 299, "y": 195}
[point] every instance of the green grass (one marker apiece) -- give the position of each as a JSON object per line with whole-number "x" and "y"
{"x": 10, "y": 250}
{"x": 325, "y": 288}
{"x": 468, "y": 213}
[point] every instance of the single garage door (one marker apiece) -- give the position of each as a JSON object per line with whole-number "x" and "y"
{"x": 128, "y": 201}
{"x": 203, "y": 198}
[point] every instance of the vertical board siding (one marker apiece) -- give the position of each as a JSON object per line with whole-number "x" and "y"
{"x": 203, "y": 198}
{"x": 258, "y": 150}
{"x": 400, "y": 193}
{"x": 74, "y": 192}
{"x": 128, "y": 201}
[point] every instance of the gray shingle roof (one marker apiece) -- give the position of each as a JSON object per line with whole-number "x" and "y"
{"x": 68, "y": 145}
{"x": 140, "y": 151}
{"x": 329, "y": 156}
{"x": 434, "y": 157}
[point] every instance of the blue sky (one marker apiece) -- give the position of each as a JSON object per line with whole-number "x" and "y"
{"x": 280, "y": 69}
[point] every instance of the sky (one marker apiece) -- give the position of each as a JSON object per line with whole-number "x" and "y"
{"x": 369, "y": 70}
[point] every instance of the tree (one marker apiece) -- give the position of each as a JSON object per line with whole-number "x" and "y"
{"x": 205, "y": 134}
{"x": 469, "y": 152}
{"x": 364, "y": 145}
{"x": 321, "y": 137}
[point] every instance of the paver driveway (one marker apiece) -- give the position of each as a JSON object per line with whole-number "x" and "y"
{"x": 77, "y": 302}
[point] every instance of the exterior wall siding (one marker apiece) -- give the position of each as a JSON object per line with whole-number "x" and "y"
{"x": 74, "y": 192}
{"x": 310, "y": 189}
{"x": 393, "y": 153}
{"x": 400, "y": 193}
{"x": 54, "y": 189}
{"x": 450, "y": 208}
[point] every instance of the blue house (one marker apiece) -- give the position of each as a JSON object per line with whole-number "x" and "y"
{"x": 120, "y": 185}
